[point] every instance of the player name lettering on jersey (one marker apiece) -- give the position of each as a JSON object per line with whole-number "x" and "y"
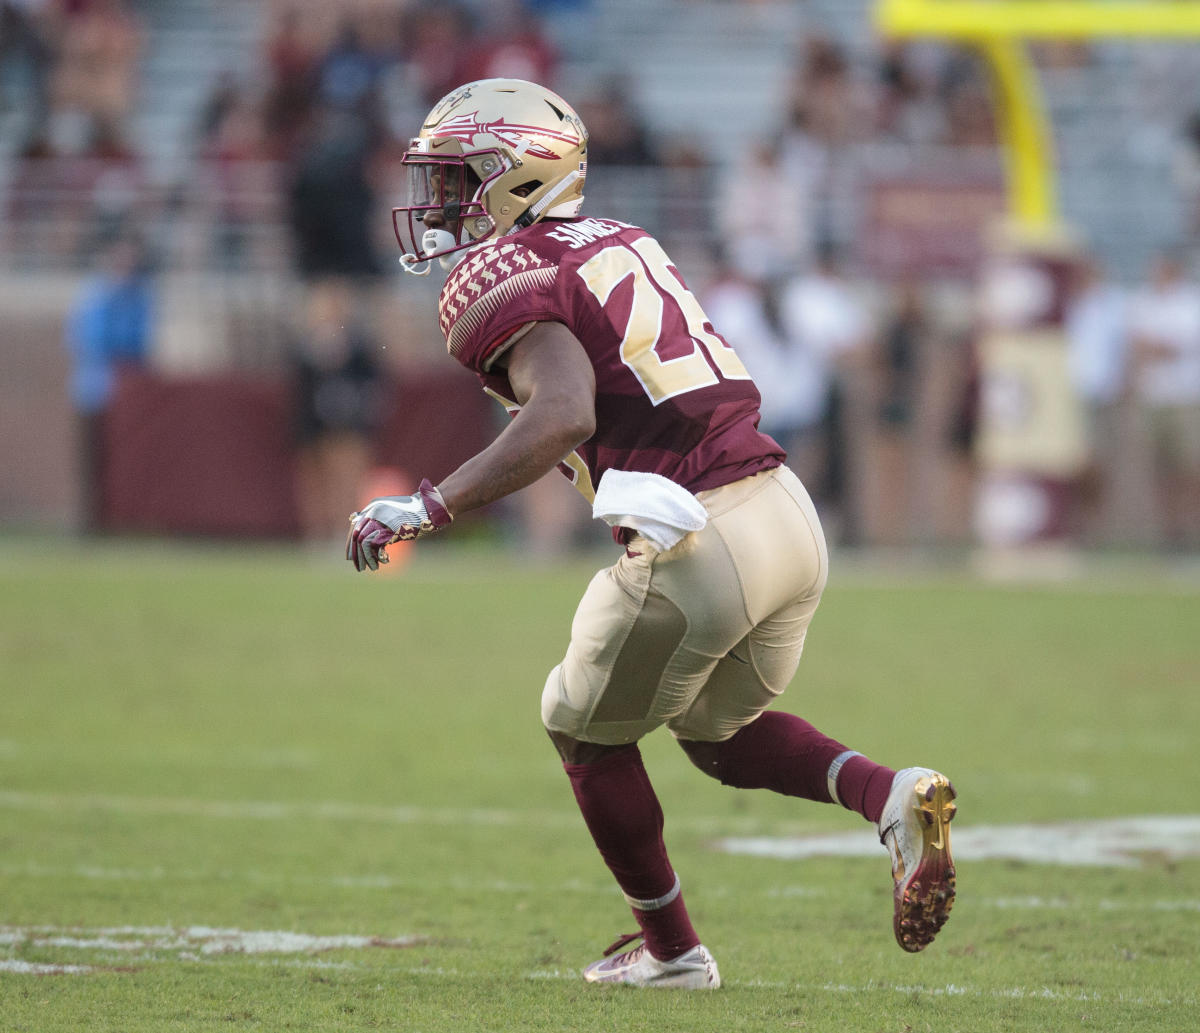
{"x": 579, "y": 234}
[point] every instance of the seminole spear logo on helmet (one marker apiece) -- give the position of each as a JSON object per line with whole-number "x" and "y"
{"x": 468, "y": 128}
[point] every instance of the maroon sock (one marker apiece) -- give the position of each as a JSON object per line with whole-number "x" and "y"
{"x": 863, "y": 786}
{"x": 780, "y": 752}
{"x": 786, "y": 754}
{"x": 626, "y": 821}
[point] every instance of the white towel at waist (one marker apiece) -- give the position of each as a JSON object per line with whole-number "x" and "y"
{"x": 658, "y": 509}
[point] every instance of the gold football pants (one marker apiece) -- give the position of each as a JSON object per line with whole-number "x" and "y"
{"x": 702, "y": 637}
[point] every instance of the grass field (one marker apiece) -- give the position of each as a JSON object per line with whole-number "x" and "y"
{"x": 240, "y": 789}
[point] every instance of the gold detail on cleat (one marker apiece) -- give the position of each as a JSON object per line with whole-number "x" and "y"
{"x": 925, "y": 896}
{"x": 935, "y": 804}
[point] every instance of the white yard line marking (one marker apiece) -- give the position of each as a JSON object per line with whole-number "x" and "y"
{"x": 270, "y": 810}
{"x": 199, "y": 943}
{"x": 29, "y": 968}
{"x": 1115, "y": 842}
{"x": 451, "y": 884}
{"x": 1041, "y": 993}
{"x": 154, "y": 939}
{"x": 388, "y": 883}
{"x": 1103, "y": 904}
{"x": 232, "y": 758}
{"x": 255, "y": 810}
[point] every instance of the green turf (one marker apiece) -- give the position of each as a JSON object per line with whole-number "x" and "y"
{"x": 248, "y": 739}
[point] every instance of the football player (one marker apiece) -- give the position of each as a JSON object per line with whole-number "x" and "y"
{"x": 585, "y": 330}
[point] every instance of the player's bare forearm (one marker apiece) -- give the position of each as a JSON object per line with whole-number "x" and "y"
{"x": 554, "y": 382}
{"x": 522, "y": 454}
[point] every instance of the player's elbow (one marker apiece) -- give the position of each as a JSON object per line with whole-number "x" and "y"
{"x": 558, "y": 421}
{"x": 584, "y": 426}
{"x": 575, "y": 425}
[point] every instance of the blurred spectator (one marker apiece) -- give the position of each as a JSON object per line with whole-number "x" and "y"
{"x": 766, "y": 208}
{"x": 909, "y": 107}
{"x": 828, "y": 112}
{"x": 348, "y": 77}
{"x": 292, "y": 54}
{"x": 1097, "y": 328}
{"x": 223, "y": 96}
{"x": 97, "y": 72}
{"x": 112, "y": 178}
{"x": 905, "y": 334}
{"x": 682, "y": 196}
{"x": 616, "y": 133}
{"x": 31, "y": 226}
{"x": 833, "y": 107}
{"x": 958, "y": 435}
{"x": 397, "y": 90}
{"x": 380, "y": 24}
{"x": 1185, "y": 169}
{"x": 331, "y": 200}
{"x": 827, "y": 334}
{"x": 969, "y": 110}
{"x": 509, "y": 44}
{"x": 570, "y": 24}
{"x": 437, "y": 32}
{"x": 236, "y": 158}
{"x": 1165, "y": 334}
{"x": 110, "y": 328}
{"x": 900, "y": 344}
{"x": 791, "y": 384}
{"x": 338, "y": 402}
{"x": 62, "y": 205}
{"x": 26, "y": 59}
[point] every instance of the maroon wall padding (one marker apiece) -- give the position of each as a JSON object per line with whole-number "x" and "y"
{"x": 215, "y": 455}
{"x": 435, "y": 422}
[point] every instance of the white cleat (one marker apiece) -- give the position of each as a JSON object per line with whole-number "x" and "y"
{"x": 695, "y": 969}
{"x": 915, "y": 827}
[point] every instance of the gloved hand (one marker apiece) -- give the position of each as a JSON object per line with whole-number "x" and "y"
{"x": 394, "y": 518}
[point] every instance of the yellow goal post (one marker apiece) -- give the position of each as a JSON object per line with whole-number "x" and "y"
{"x": 999, "y": 29}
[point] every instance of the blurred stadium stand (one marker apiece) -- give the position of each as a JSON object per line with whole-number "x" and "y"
{"x": 709, "y": 80}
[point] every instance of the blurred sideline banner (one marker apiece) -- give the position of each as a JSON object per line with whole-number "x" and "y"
{"x": 1031, "y": 445}
{"x": 215, "y": 455}
{"x": 930, "y": 222}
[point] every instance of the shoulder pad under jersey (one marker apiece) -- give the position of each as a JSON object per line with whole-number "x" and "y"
{"x": 490, "y": 291}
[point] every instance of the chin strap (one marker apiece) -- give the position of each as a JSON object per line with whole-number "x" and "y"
{"x": 535, "y": 211}
{"x": 410, "y": 264}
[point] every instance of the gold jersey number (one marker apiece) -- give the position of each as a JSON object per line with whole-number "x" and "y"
{"x": 655, "y": 285}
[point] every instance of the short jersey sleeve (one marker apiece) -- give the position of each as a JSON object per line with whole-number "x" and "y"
{"x": 494, "y": 292}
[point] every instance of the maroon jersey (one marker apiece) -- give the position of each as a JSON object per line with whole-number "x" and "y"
{"x": 672, "y": 398}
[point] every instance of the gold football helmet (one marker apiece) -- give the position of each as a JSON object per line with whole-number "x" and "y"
{"x": 493, "y": 156}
